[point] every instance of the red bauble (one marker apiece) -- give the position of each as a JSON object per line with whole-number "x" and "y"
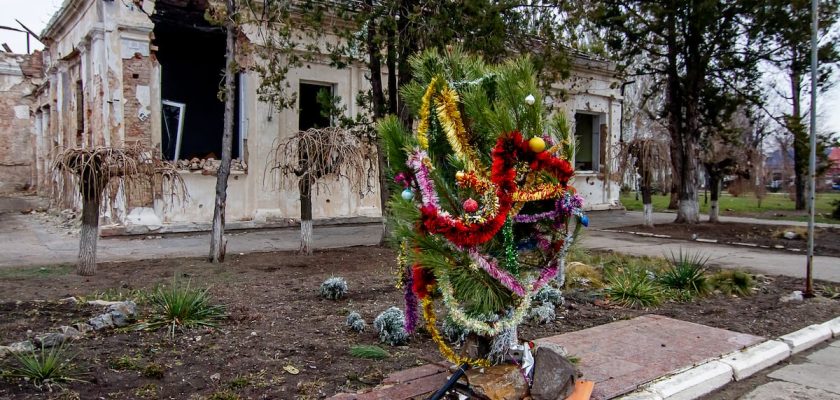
{"x": 470, "y": 206}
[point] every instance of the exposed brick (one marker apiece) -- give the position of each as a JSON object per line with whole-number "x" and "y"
{"x": 136, "y": 73}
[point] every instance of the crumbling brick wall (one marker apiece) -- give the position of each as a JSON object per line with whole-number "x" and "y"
{"x": 137, "y": 73}
{"x": 16, "y": 122}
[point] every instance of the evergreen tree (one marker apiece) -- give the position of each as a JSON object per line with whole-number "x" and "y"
{"x": 483, "y": 214}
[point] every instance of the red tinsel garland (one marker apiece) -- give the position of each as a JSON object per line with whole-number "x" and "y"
{"x": 509, "y": 150}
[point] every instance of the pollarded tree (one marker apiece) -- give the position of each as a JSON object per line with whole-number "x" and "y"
{"x": 134, "y": 170}
{"x": 311, "y": 157}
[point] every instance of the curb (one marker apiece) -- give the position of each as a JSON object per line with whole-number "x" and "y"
{"x": 705, "y": 378}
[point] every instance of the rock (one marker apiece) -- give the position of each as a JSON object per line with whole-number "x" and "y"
{"x": 790, "y": 235}
{"x": 4, "y": 351}
{"x": 70, "y": 332}
{"x": 796, "y": 295}
{"x": 554, "y": 375}
{"x": 82, "y": 327}
{"x": 50, "y": 339}
{"x": 123, "y": 313}
{"x": 21, "y": 347}
{"x": 103, "y": 303}
{"x": 69, "y": 300}
{"x": 101, "y": 322}
{"x": 499, "y": 382}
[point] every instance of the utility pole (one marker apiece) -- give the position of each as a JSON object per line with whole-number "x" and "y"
{"x": 812, "y": 164}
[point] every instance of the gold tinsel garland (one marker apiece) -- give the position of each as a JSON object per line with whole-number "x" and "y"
{"x": 445, "y": 350}
{"x": 425, "y": 112}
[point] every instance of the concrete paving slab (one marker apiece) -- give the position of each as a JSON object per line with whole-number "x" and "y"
{"x": 829, "y": 356}
{"x": 811, "y": 374}
{"x": 623, "y": 355}
{"x": 779, "y": 390}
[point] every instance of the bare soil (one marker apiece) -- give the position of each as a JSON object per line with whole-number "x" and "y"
{"x": 278, "y": 320}
{"x": 826, "y": 240}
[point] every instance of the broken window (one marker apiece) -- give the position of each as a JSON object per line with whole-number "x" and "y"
{"x": 80, "y": 113}
{"x": 313, "y": 106}
{"x": 590, "y": 135}
{"x": 191, "y": 53}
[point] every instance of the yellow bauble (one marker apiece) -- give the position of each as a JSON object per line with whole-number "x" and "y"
{"x": 460, "y": 175}
{"x": 537, "y": 144}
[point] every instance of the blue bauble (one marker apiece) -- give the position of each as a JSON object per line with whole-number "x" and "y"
{"x": 407, "y": 194}
{"x": 584, "y": 220}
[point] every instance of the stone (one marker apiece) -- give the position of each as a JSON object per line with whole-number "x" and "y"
{"x": 123, "y": 313}
{"x": 102, "y": 303}
{"x": 70, "y": 332}
{"x": 101, "y": 322}
{"x": 796, "y": 295}
{"x": 554, "y": 375}
{"x": 50, "y": 339}
{"x": 499, "y": 382}
{"x": 21, "y": 347}
{"x": 82, "y": 327}
{"x": 69, "y": 300}
{"x": 790, "y": 235}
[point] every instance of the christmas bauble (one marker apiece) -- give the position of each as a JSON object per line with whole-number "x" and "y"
{"x": 537, "y": 144}
{"x": 470, "y": 206}
{"x": 530, "y": 100}
{"x": 407, "y": 194}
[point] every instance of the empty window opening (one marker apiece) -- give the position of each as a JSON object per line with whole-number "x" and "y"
{"x": 590, "y": 135}
{"x": 191, "y": 53}
{"x": 314, "y": 111}
{"x": 80, "y": 112}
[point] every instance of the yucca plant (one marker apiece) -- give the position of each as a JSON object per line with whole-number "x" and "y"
{"x": 629, "y": 287}
{"x": 369, "y": 352}
{"x": 45, "y": 367}
{"x": 733, "y": 282}
{"x": 686, "y": 273}
{"x": 180, "y": 306}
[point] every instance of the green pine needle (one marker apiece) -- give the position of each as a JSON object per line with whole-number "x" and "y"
{"x": 370, "y": 352}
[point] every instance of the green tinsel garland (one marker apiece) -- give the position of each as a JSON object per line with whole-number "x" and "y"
{"x": 511, "y": 261}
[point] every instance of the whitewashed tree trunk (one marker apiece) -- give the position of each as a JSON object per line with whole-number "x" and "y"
{"x": 306, "y": 236}
{"x": 218, "y": 243}
{"x": 305, "y": 187}
{"x": 714, "y": 211}
{"x": 86, "y": 265}
{"x": 648, "y": 214}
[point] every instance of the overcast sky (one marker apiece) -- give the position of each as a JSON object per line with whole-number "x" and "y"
{"x": 36, "y": 13}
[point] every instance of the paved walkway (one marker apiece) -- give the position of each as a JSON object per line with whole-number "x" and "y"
{"x": 758, "y": 260}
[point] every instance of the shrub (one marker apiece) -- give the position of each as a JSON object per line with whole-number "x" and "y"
{"x": 154, "y": 371}
{"x": 355, "y": 322}
{"x": 580, "y": 275}
{"x": 630, "y": 287}
{"x": 542, "y": 314}
{"x": 733, "y": 282}
{"x": 836, "y": 212}
{"x": 333, "y": 288}
{"x": 180, "y": 306}
{"x": 369, "y": 352}
{"x": 45, "y": 367}
{"x": 452, "y": 332}
{"x": 687, "y": 273}
{"x": 549, "y": 295}
{"x": 390, "y": 325}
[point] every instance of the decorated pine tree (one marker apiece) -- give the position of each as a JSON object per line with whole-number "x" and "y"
{"x": 482, "y": 213}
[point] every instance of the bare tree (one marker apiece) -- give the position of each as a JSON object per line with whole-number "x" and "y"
{"x": 138, "y": 170}
{"x": 313, "y": 155}
{"x": 648, "y": 157}
{"x": 218, "y": 243}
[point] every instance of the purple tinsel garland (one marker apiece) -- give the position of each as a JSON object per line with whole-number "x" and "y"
{"x": 421, "y": 175}
{"x": 493, "y": 270}
{"x": 411, "y": 316}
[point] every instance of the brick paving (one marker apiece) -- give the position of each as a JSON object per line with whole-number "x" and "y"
{"x": 618, "y": 357}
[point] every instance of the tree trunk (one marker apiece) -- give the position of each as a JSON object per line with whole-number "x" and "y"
{"x": 674, "y": 106}
{"x": 392, "y": 70}
{"x": 407, "y": 46}
{"x": 714, "y": 187}
{"x": 647, "y": 204}
{"x": 218, "y": 243}
{"x": 305, "y": 187}
{"x": 375, "y": 65}
{"x": 800, "y": 141}
{"x": 674, "y": 199}
{"x": 89, "y": 233}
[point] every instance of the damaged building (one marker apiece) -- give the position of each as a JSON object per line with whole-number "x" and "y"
{"x": 149, "y": 72}
{"x": 20, "y": 76}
